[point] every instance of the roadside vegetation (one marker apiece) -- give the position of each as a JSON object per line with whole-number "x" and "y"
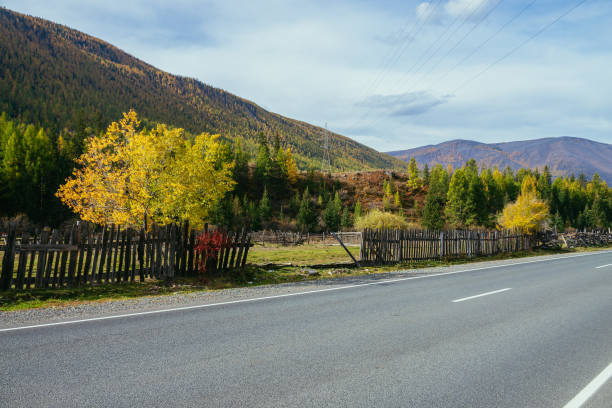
{"x": 252, "y": 275}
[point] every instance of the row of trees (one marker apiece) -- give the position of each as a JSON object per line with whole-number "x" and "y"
{"x": 33, "y": 163}
{"x": 132, "y": 175}
{"x": 469, "y": 197}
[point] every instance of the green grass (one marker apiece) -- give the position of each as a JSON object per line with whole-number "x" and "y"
{"x": 301, "y": 255}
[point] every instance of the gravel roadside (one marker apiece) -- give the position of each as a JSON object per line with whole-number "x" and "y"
{"x": 152, "y": 303}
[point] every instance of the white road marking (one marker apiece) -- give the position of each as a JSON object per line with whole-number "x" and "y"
{"x": 603, "y": 266}
{"x": 175, "y": 309}
{"x": 590, "y": 390}
{"x": 480, "y": 295}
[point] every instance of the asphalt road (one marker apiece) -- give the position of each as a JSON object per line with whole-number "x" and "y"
{"x": 411, "y": 343}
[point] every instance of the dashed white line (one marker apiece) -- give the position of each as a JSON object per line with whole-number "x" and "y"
{"x": 481, "y": 295}
{"x": 175, "y": 309}
{"x": 603, "y": 266}
{"x": 590, "y": 390}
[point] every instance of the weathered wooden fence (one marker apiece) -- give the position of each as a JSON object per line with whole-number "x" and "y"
{"x": 288, "y": 238}
{"x": 387, "y": 246}
{"x": 87, "y": 254}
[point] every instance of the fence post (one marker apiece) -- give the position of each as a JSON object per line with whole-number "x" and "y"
{"x": 441, "y": 244}
{"x": 8, "y": 260}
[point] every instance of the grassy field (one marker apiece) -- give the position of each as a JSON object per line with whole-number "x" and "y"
{"x": 301, "y": 255}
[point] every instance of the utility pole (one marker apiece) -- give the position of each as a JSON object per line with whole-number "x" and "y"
{"x": 326, "y": 157}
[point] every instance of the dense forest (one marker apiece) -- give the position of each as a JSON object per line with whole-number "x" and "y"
{"x": 67, "y": 81}
{"x": 270, "y": 191}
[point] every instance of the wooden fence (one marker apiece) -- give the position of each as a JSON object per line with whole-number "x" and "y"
{"x": 387, "y": 246}
{"x": 290, "y": 238}
{"x": 87, "y": 254}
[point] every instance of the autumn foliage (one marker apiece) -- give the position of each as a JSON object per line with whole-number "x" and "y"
{"x": 528, "y": 213}
{"x": 208, "y": 246}
{"x": 128, "y": 176}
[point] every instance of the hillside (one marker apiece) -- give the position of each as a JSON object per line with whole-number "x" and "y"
{"x": 60, "y": 78}
{"x": 564, "y": 155}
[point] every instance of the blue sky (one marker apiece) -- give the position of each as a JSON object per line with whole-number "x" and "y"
{"x": 390, "y": 74}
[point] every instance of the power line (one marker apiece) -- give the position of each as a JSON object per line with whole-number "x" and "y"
{"x": 403, "y": 47}
{"x": 399, "y": 51}
{"x": 515, "y": 49}
{"x": 426, "y": 52}
{"x": 465, "y": 20}
{"x": 465, "y": 36}
{"x": 485, "y": 42}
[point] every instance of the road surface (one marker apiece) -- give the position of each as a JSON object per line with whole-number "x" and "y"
{"x": 533, "y": 334}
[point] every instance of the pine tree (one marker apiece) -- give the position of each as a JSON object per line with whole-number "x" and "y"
{"x": 262, "y": 162}
{"x": 456, "y": 210}
{"x": 433, "y": 213}
{"x": 241, "y": 168}
{"x": 306, "y": 217}
{"x": 426, "y": 175}
{"x": 331, "y": 215}
{"x": 347, "y": 221}
{"x": 265, "y": 210}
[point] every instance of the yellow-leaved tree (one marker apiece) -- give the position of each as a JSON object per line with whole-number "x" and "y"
{"x": 129, "y": 176}
{"x": 528, "y": 213}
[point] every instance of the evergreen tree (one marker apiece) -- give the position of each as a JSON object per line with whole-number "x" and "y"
{"x": 544, "y": 184}
{"x": 426, "y": 175}
{"x": 263, "y": 162}
{"x": 511, "y": 187}
{"x": 241, "y": 168}
{"x": 433, "y": 213}
{"x": 357, "y": 211}
{"x": 265, "y": 210}
{"x": 457, "y": 211}
{"x": 494, "y": 192}
{"x": 307, "y": 216}
{"x": 346, "y": 221}
{"x": 332, "y": 214}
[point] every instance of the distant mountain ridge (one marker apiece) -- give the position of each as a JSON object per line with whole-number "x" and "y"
{"x": 563, "y": 155}
{"x": 60, "y": 78}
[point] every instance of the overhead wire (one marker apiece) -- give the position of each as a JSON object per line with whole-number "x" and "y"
{"x": 487, "y": 40}
{"x": 399, "y": 51}
{"x": 518, "y": 47}
{"x": 426, "y": 52}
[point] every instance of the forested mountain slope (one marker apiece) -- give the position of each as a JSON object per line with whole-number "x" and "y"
{"x": 60, "y": 78}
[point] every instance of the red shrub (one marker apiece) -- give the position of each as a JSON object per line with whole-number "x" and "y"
{"x": 208, "y": 245}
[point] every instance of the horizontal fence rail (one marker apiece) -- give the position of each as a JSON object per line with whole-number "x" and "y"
{"x": 289, "y": 238}
{"x": 388, "y": 246}
{"x": 87, "y": 254}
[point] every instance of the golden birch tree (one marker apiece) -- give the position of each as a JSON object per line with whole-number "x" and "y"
{"x": 128, "y": 176}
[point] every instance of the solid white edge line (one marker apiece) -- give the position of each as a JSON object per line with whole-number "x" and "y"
{"x": 603, "y": 266}
{"x": 175, "y": 309}
{"x": 591, "y": 388}
{"x": 481, "y": 295}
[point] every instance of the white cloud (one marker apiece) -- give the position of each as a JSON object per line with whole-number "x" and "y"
{"x": 424, "y": 11}
{"x": 464, "y": 8}
{"x": 406, "y": 104}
